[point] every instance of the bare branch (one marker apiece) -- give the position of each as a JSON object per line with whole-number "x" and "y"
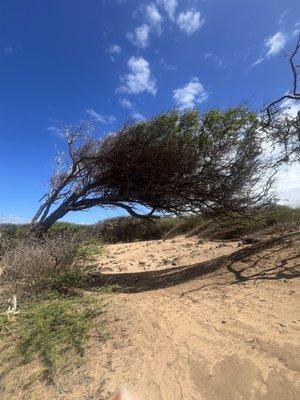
{"x": 271, "y": 110}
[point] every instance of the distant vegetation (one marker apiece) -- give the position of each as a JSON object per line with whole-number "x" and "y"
{"x": 129, "y": 229}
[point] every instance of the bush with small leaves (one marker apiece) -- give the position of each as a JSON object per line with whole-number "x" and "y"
{"x": 32, "y": 264}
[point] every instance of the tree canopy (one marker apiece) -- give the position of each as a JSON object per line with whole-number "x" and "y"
{"x": 176, "y": 163}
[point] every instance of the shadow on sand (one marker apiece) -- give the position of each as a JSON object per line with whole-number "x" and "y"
{"x": 234, "y": 269}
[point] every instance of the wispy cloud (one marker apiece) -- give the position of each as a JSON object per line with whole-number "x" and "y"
{"x": 138, "y": 116}
{"x": 170, "y": 7}
{"x": 258, "y": 61}
{"x": 129, "y": 105}
{"x": 166, "y": 65}
{"x": 190, "y": 21}
{"x": 296, "y": 30}
{"x": 282, "y": 16}
{"x": 103, "y": 119}
{"x": 115, "y": 49}
{"x": 11, "y": 219}
{"x": 9, "y": 49}
{"x": 139, "y": 79}
{"x": 125, "y": 103}
{"x": 274, "y": 44}
{"x": 140, "y": 36}
{"x": 153, "y": 16}
{"x": 56, "y": 130}
{"x": 215, "y": 59}
{"x": 190, "y": 94}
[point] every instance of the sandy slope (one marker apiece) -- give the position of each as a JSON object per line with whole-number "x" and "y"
{"x": 193, "y": 320}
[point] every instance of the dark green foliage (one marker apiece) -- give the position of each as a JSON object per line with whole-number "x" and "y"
{"x": 277, "y": 219}
{"x": 127, "y": 229}
{"x": 68, "y": 227}
{"x": 11, "y": 231}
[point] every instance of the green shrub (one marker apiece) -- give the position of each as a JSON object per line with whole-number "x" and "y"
{"x": 127, "y": 229}
{"x": 89, "y": 248}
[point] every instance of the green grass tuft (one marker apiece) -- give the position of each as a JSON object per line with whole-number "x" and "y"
{"x": 106, "y": 289}
{"x": 54, "y": 330}
{"x": 89, "y": 249}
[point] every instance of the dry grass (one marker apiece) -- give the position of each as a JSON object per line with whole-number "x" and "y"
{"x": 31, "y": 264}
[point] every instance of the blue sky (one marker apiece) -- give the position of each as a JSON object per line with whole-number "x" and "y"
{"x": 108, "y": 61}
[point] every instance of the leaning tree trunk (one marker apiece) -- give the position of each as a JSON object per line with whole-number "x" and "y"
{"x": 39, "y": 228}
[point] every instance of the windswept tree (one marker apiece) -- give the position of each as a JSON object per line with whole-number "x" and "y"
{"x": 176, "y": 163}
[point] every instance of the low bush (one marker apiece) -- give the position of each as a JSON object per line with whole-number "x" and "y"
{"x": 31, "y": 264}
{"x": 127, "y": 229}
{"x": 53, "y": 329}
{"x": 11, "y": 231}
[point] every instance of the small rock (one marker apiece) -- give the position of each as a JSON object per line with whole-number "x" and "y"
{"x": 279, "y": 263}
{"x": 283, "y": 325}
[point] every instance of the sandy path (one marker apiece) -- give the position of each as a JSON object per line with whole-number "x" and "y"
{"x": 195, "y": 320}
{"x": 224, "y": 329}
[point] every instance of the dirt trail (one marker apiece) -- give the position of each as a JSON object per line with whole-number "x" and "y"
{"x": 192, "y": 320}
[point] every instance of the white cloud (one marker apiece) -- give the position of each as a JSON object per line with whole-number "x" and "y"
{"x": 114, "y": 49}
{"x": 140, "y": 36}
{"x": 288, "y": 186}
{"x": 190, "y": 21}
{"x": 296, "y": 30}
{"x": 170, "y": 7}
{"x": 189, "y": 95}
{"x": 291, "y": 107}
{"x": 139, "y": 79}
{"x": 138, "y": 116}
{"x": 104, "y": 119}
{"x": 154, "y": 17}
{"x": 125, "y": 103}
{"x": 275, "y": 44}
